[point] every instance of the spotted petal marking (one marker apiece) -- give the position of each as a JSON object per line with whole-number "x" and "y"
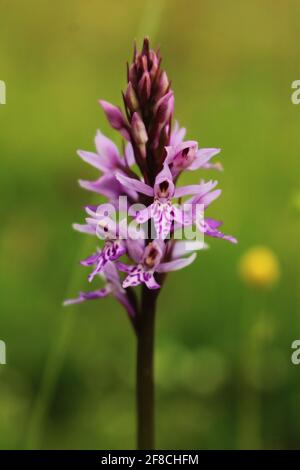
{"x": 163, "y": 217}
{"x": 138, "y": 275}
{"x": 112, "y": 250}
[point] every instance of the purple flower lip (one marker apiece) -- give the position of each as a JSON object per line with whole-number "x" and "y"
{"x": 112, "y": 250}
{"x": 149, "y": 263}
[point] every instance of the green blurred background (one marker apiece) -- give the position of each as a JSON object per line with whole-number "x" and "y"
{"x": 224, "y": 375}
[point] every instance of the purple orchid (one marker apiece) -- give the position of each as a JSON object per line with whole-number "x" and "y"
{"x": 108, "y": 160}
{"x": 112, "y": 287}
{"x": 118, "y": 239}
{"x": 112, "y": 250}
{"x": 162, "y": 211}
{"x": 161, "y": 154}
{"x": 146, "y": 174}
{"x": 149, "y": 261}
{"x": 187, "y": 156}
{"x": 205, "y": 225}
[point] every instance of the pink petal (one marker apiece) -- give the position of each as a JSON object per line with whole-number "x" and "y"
{"x": 213, "y": 223}
{"x": 134, "y": 184}
{"x": 107, "y": 185}
{"x": 135, "y": 249}
{"x": 203, "y": 156}
{"x": 111, "y": 273}
{"x": 213, "y": 166}
{"x": 151, "y": 282}
{"x": 143, "y": 215}
{"x": 198, "y": 189}
{"x": 163, "y": 216}
{"x": 176, "y": 264}
{"x": 93, "y": 295}
{"x": 93, "y": 159}
{"x": 85, "y": 228}
{"x": 207, "y": 229}
{"x": 129, "y": 155}
{"x": 131, "y": 280}
{"x": 90, "y": 260}
{"x": 183, "y": 216}
{"x": 108, "y": 151}
{"x": 177, "y": 134}
{"x": 183, "y": 247}
{"x": 164, "y": 174}
{"x": 208, "y": 198}
{"x": 124, "y": 268}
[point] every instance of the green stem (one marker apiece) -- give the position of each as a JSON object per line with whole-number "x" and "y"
{"x": 145, "y": 370}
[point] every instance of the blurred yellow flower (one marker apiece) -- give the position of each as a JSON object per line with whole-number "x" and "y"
{"x": 259, "y": 267}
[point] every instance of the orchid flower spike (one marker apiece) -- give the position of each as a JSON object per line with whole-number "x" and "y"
{"x": 146, "y": 172}
{"x": 162, "y": 210}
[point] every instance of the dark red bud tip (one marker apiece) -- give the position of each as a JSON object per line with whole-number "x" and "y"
{"x": 144, "y": 86}
{"x": 146, "y": 46}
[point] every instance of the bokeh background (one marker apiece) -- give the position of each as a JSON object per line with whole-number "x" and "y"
{"x": 224, "y": 374}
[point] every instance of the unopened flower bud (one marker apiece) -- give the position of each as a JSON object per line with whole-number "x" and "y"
{"x": 146, "y": 46}
{"x": 142, "y": 63}
{"x": 144, "y": 86}
{"x": 131, "y": 74}
{"x": 115, "y": 118}
{"x": 131, "y": 98}
{"x": 138, "y": 129}
{"x": 162, "y": 84}
{"x": 154, "y": 64}
{"x": 165, "y": 108}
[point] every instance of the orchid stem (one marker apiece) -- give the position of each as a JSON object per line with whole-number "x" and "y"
{"x": 145, "y": 370}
